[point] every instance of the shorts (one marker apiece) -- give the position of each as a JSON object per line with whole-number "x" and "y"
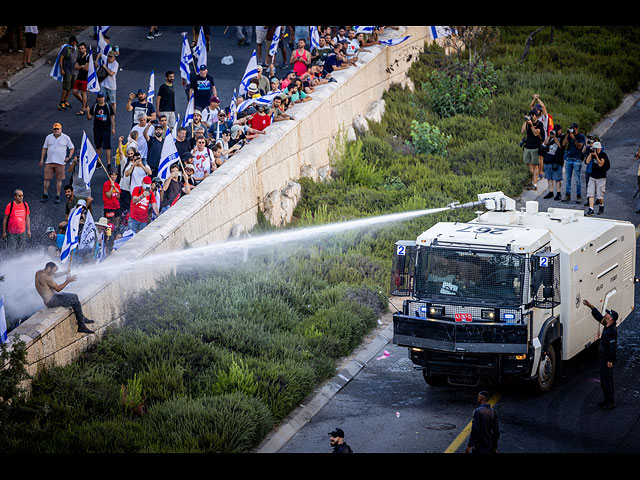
{"x": 111, "y": 214}
{"x": 102, "y": 139}
{"x": 596, "y": 187}
{"x": 30, "y": 39}
{"x": 80, "y": 85}
{"x": 551, "y": 174}
{"x": 109, "y": 95}
{"x": 67, "y": 82}
{"x": 53, "y": 168}
{"x": 530, "y": 156}
{"x": 261, "y": 35}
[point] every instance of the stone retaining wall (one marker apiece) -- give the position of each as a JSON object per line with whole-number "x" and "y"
{"x": 229, "y": 198}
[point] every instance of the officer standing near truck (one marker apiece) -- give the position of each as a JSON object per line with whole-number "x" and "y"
{"x": 485, "y": 429}
{"x": 608, "y": 346}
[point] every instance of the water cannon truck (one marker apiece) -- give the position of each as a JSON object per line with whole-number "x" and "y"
{"x": 502, "y": 295}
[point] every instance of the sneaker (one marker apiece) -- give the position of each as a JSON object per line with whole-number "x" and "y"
{"x": 62, "y": 106}
{"x": 578, "y": 199}
{"x": 589, "y": 212}
{"x": 548, "y": 195}
{"x": 557, "y": 197}
{"x": 600, "y": 209}
{"x": 150, "y": 36}
{"x": 567, "y": 198}
{"x": 157, "y": 33}
{"x": 82, "y": 328}
{"x": 88, "y": 320}
{"x": 57, "y": 199}
{"x": 45, "y": 197}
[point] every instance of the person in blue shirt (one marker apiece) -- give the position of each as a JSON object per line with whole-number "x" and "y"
{"x": 573, "y": 142}
{"x": 57, "y": 240}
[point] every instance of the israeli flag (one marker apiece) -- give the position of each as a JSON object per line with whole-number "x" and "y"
{"x": 186, "y": 57}
{"x": 250, "y": 72}
{"x": 88, "y": 160}
{"x": 200, "y": 50}
{"x": 71, "y": 235}
{"x": 152, "y": 90}
{"x": 103, "y": 30}
{"x": 55, "y": 70}
{"x": 103, "y": 49}
{"x": 364, "y": 29}
{"x": 168, "y": 157}
{"x": 118, "y": 243}
{"x": 89, "y": 233}
{"x": 394, "y": 41}
{"x": 233, "y": 107}
{"x": 3, "y": 321}
{"x": 92, "y": 78}
{"x": 265, "y": 100}
{"x": 315, "y": 37}
{"x": 439, "y": 32}
{"x": 273, "y": 48}
{"x": 188, "y": 116}
{"x": 102, "y": 251}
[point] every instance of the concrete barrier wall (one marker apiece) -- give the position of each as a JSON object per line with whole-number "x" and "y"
{"x": 232, "y": 195}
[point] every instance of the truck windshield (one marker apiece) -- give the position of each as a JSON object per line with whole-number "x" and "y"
{"x": 488, "y": 277}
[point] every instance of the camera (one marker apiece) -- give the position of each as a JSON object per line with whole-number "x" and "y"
{"x": 527, "y": 118}
{"x": 146, "y": 187}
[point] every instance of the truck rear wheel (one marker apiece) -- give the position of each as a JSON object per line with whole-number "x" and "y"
{"x": 547, "y": 369}
{"x": 434, "y": 380}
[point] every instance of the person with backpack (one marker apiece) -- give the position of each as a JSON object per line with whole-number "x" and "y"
{"x": 16, "y": 223}
{"x": 337, "y": 442}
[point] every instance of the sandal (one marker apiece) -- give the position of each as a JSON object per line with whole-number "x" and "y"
{"x": 81, "y": 112}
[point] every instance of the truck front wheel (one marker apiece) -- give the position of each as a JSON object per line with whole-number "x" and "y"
{"x": 546, "y": 372}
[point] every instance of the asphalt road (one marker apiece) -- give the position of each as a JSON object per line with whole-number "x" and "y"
{"x": 388, "y": 408}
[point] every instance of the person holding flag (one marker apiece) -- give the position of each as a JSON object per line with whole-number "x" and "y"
{"x": 249, "y": 72}
{"x": 3, "y": 321}
{"x": 88, "y": 160}
{"x": 63, "y": 71}
{"x": 80, "y": 85}
{"x": 50, "y": 290}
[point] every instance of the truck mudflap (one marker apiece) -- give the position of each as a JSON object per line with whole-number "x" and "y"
{"x": 459, "y": 337}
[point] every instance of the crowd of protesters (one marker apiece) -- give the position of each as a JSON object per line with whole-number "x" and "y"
{"x": 133, "y": 194}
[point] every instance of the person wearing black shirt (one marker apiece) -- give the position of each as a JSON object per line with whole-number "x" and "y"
{"x": 173, "y": 188}
{"x": 139, "y": 104}
{"x": 80, "y": 85}
{"x": 553, "y": 161}
{"x": 534, "y": 131}
{"x": 597, "y": 177}
{"x": 165, "y": 99}
{"x": 336, "y": 439}
{"x": 154, "y": 146}
{"x": 608, "y": 347}
{"x": 203, "y": 88}
{"x": 104, "y": 125}
{"x": 485, "y": 431}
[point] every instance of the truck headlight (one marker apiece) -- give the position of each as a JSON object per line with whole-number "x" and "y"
{"x": 488, "y": 314}
{"x": 436, "y": 311}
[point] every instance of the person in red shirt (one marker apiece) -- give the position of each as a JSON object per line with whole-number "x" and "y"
{"x": 111, "y": 198}
{"x": 16, "y": 223}
{"x": 141, "y": 198}
{"x": 260, "y": 120}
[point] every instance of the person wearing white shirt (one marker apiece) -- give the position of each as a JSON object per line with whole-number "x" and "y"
{"x": 55, "y": 148}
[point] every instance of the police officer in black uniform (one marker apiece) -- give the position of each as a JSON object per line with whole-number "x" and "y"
{"x": 338, "y": 443}
{"x": 608, "y": 346}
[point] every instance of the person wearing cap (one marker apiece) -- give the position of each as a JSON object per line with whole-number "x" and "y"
{"x": 104, "y": 125}
{"x": 154, "y": 148}
{"x": 607, "y": 350}
{"x": 573, "y": 142}
{"x": 56, "y": 239}
{"x": 202, "y": 87}
{"x": 533, "y": 130}
{"x": 68, "y": 56}
{"x": 203, "y": 161}
{"x": 72, "y": 200}
{"x": 259, "y": 120}
{"x": 189, "y": 170}
{"x": 137, "y": 170}
{"x": 485, "y": 428}
{"x": 336, "y": 440}
{"x": 139, "y": 104}
{"x": 108, "y": 85}
{"x": 252, "y": 90}
{"x": 58, "y": 148}
{"x": 142, "y": 198}
{"x": 599, "y": 162}
{"x": 263, "y": 81}
{"x": 210, "y": 113}
{"x": 111, "y": 192}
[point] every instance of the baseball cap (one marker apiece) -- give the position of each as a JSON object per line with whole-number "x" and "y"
{"x": 337, "y": 433}
{"x": 214, "y": 99}
{"x": 100, "y": 94}
{"x": 50, "y": 230}
{"x": 614, "y": 314}
{"x": 146, "y": 179}
{"x": 141, "y": 91}
{"x": 597, "y": 145}
{"x": 57, "y": 125}
{"x": 203, "y": 67}
{"x": 157, "y": 180}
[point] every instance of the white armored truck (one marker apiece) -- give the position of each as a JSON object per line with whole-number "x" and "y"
{"x": 502, "y": 295}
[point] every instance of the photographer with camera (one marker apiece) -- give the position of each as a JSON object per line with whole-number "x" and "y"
{"x": 573, "y": 142}
{"x": 553, "y": 162}
{"x": 534, "y": 131}
{"x": 141, "y": 198}
{"x": 599, "y": 162}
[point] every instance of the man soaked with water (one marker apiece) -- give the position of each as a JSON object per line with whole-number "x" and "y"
{"x": 49, "y": 291}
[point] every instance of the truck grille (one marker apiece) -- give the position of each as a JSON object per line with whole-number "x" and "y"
{"x": 502, "y": 315}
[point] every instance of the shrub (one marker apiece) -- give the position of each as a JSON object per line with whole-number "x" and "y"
{"x": 428, "y": 140}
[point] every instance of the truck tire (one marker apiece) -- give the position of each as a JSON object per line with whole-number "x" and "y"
{"x": 434, "y": 380}
{"x": 546, "y": 371}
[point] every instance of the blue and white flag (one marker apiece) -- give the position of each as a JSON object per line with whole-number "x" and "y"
{"x": 394, "y": 41}
{"x": 55, "y": 70}
{"x": 200, "y": 50}
{"x": 315, "y": 37}
{"x": 250, "y": 72}
{"x": 439, "y": 32}
{"x": 151, "y": 93}
{"x": 168, "y": 157}
{"x": 92, "y": 78}
{"x": 273, "y": 48}
{"x": 364, "y": 29}
{"x": 188, "y": 116}
{"x": 264, "y": 100}
{"x": 71, "y": 235}
{"x": 102, "y": 30}
{"x": 101, "y": 254}
{"x": 88, "y": 160}
{"x": 3, "y": 321}
{"x": 102, "y": 50}
{"x": 119, "y": 242}
{"x": 186, "y": 57}
{"x": 89, "y": 232}
{"x": 233, "y": 107}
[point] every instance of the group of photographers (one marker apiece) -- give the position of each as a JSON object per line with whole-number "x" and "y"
{"x": 547, "y": 151}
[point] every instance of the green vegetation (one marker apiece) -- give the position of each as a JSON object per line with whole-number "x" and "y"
{"x": 212, "y": 361}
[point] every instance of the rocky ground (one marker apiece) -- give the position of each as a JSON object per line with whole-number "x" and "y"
{"x": 49, "y": 38}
